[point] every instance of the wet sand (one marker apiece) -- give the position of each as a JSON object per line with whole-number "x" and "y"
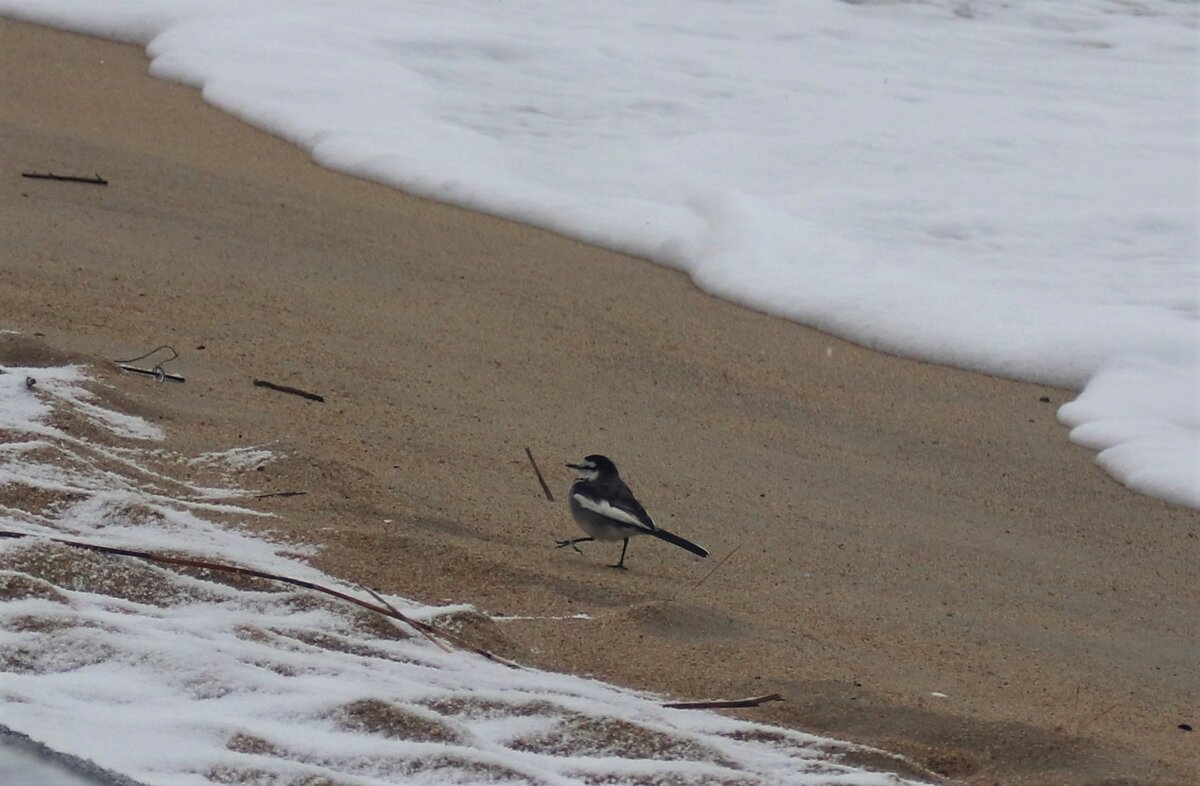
{"x": 920, "y": 559}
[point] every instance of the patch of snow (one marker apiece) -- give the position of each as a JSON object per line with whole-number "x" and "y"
{"x": 220, "y": 682}
{"x": 237, "y": 459}
{"x": 523, "y": 617}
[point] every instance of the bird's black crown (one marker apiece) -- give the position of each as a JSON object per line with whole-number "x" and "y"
{"x": 601, "y": 464}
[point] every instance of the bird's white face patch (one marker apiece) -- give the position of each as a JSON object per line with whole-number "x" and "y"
{"x": 587, "y": 470}
{"x": 606, "y": 510}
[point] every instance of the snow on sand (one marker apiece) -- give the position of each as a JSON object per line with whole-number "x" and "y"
{"x": 177, "y": 677}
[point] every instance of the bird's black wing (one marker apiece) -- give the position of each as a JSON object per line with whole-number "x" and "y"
{"x": 615, "y": 502}
{"x": 620, "y": 496}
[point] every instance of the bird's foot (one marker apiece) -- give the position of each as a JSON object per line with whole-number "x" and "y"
{"x": 571, "y": 543}
{"x": 619, "y": 566}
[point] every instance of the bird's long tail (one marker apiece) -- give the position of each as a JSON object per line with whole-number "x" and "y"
{"x": 671, "y": 537}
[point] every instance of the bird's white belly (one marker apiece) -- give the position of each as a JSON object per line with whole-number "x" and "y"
{"x": 600, "y": 527}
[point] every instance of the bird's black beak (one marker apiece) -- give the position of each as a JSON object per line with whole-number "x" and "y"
{"x": 574, "y": 466}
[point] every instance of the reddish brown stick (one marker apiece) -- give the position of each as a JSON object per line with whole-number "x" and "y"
{"x": 538, "y": 472}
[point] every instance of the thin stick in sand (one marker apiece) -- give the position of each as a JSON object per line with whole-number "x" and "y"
{"x": 95, "y": 181}
{"x": 262, "y": 383}
{"x": 538, "y": 472}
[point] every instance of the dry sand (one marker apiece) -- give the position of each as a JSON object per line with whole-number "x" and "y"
{"x": 923, "y": 561}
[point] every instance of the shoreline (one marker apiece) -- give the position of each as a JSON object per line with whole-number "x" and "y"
{"x": 901, "y": 529}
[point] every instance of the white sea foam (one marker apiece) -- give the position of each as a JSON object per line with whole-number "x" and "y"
{"x": 1005, "y": 186}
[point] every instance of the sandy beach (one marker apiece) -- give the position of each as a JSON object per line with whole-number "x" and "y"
{"x": 915, "y": 556}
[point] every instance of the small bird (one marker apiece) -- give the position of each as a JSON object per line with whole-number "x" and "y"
{"x": 604, "y": 507}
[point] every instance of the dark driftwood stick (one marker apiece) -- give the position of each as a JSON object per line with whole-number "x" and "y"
{"x": 280, "y": 494}
{"x": 538, "y": 472}
{"x": 262, "y": 383}
{"x": 96, "y": 181}
{"x": 723, "y": 705}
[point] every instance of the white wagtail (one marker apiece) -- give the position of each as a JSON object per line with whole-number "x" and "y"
{"x": 605, "y": 508}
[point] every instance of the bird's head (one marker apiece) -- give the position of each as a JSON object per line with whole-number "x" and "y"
{"x": 594, "y": 466}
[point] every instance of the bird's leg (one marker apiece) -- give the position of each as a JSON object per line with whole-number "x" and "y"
{"x": 572, "y": 543}
{"x": 621, "y": 562}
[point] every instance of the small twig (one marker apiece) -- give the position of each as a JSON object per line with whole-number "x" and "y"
{"x": 538, "y": 472}
{"x": 420, "y": 626}
{"x": 722, "y": 705}
{"x": 1098, "y": 717}
{"x": 458, "y": 641}
{"x": 280, "y": 494}
{"x": 157, "y": 371}
{"x": 719, "y": 564}
{"x": 262, "y": 383}
{"x": 433, "y": 630}
{"x": 96, "y": 181}
{"x": 493, "y": 657}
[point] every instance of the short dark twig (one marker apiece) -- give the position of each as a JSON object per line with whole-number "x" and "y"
{"x": 538, "y": 472}
{"x": 270, "y": 494}
{"x": 95, "y": 181}
{"x": 262, "y": 383}
{"x": 723, "y": 705}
